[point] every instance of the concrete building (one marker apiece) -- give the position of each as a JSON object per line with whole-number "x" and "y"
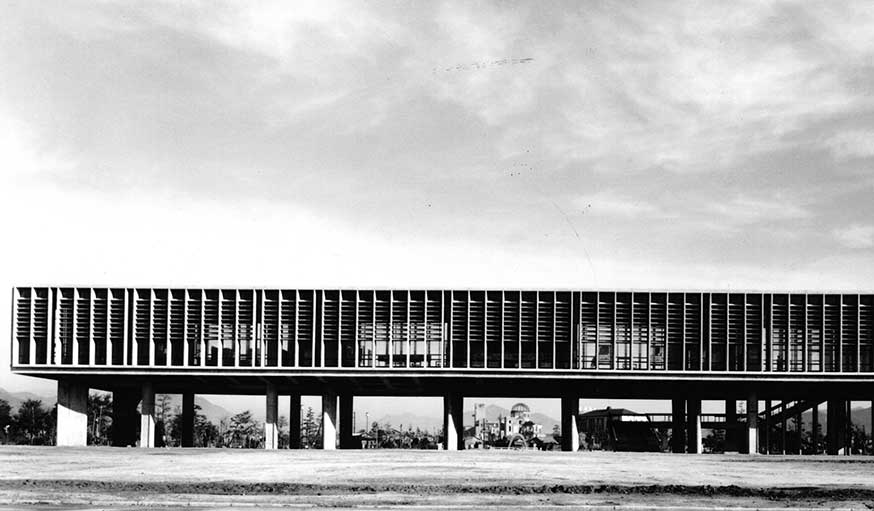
{"x": 678, "y": 346}
{"x": 504, "y": 427}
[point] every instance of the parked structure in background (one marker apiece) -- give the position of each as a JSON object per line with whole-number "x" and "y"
{"x": 808, "y": 348}
{"x": 619, "y": 429}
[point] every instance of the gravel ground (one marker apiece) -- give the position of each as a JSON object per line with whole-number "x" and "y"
{"x": 119, "y": 478}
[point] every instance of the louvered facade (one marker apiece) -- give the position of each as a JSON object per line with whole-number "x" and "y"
{"x": 433, "y": 330}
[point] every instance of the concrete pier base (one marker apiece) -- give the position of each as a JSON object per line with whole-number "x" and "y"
{"x": 188, "y": 419}
{"x": 329, "y": 421}
{"x": 835, "y": 438}
{"x": 678, "y": 426}
{"x": 453, "y": 422}
{"x": 124, "y": 417}
{"x": 147, "y": 417}
{"x": 271, "y": 418}
{"x": 72, "y": 425}
{"x": 694, "y": 438}
{"x": 346, "y": 426}
{"x": 570, "y": 433}
{"x": 731, "y": 431}
{"x": 294, "y": 421}
{"x": 752, "y": 434}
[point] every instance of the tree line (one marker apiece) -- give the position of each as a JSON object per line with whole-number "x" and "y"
{"x": 35, "y": 424}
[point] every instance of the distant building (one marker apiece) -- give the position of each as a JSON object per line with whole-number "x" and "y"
{"x": 617, "y": 429}
{"x": 503, "y": 430}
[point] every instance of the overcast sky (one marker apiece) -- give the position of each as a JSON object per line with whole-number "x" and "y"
{"x": 467, "y": 144}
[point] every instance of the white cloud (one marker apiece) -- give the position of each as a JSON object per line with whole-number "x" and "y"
{"x": 851, "y": 144}
{"x": 745, "y": 209}
{"x": 855, "y": 236}
{"x": 614, "y": 204}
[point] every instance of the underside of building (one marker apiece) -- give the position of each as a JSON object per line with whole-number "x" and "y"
{"x": 682, "y": 346}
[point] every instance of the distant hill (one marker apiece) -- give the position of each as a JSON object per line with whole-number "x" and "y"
{"x": 396, "y": 420}
{"x": 212, "y": 411}
{"x": 16, "y": 398}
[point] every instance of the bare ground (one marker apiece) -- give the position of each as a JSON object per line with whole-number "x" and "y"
{"x": 119, "y": 478}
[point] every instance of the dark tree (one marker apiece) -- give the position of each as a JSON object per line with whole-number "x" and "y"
{"x": 5, "y": 420}
{"x": 32, "y": 424}
{"x": 99, "y": 418}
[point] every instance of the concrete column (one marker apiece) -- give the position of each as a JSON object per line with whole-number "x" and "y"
{"x": 693, "y": 427}
{"x": 329, "y": 421}
{"x": 767, "y": 426}
{"x": 752, "y": 436}
{"x": 271, "y": 418}
{"x": 294, "y": 421}
{"x": 188, "y": 419}
{"x": 570, "y": 433}
{"x": 124, "y": 417}
{"x": 453, "y": 422}
{"x": 72, "y": 425}
{"x": 848, "y": 429}
{"x": 783, "y": 427}
{"x": 346, "y": 426}
{"x": 731, "y": 431}
{"x": 799, "y": 428}
{"x": 814, "y": 428}
{"x": 147, "y": 416}
{"x": 678, "y": 425}
{"x": 835, "y": 433}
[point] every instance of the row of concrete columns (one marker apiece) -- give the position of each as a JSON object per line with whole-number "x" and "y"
{"x": 337, "y": 428}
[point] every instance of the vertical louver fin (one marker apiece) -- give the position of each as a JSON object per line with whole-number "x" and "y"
{"x": 545, "y": 329}
{"x": 494, "y": 329}
{"x": 866, "y": 333}
{"x": 476, "y": 328}
{"x": 832, "y": 333}
{"x": 82, "y": 326}
{"x": 588, "y": 329}
{"x": 417, "y": 329}
{"x": 736, "y": 332}
{"x": 347, "y": 328}
{"x": 640, "y": 330}
{"x": 528, "y": 327}
{"x": 689, "y": 319}
{"x": 288, "y": 327}
{"x": 41, "y": 326}
{"x": 212, "y": 327}
{"x": 270, "y": 328}
{"x": 306, "y": 324}
{"x": 814, "y": 320}
{"x": 366, "y": 329}
{"x": 100, "y": 326}
{"x": 563, "y": 330}
{"x": 117, "y": 326}
{"x": 434, "y": 328}
{"x": 23, "y": 326}
{"x": 194, "y": 334}
{"x": 459, "y": 328}
{"x": 399, "y": 328}
{"x": 796, "y": 333}
{"x": 718, "y": 328}
{"x": 160, "y": 325}
{"x": 331, "y": 328}
{"x": 176, "y": 339}
{"x": 511, "y": 329}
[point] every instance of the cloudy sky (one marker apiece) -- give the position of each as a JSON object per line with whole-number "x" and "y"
{"x": 467, "y": 144}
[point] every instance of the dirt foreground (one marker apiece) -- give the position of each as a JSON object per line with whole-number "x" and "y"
{"x": 123, "y": 478}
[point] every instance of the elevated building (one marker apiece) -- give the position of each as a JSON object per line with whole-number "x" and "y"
{"x": 682, "y": 346}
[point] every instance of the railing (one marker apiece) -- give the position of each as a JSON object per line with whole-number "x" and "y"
{"x": 398, "y": 329}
